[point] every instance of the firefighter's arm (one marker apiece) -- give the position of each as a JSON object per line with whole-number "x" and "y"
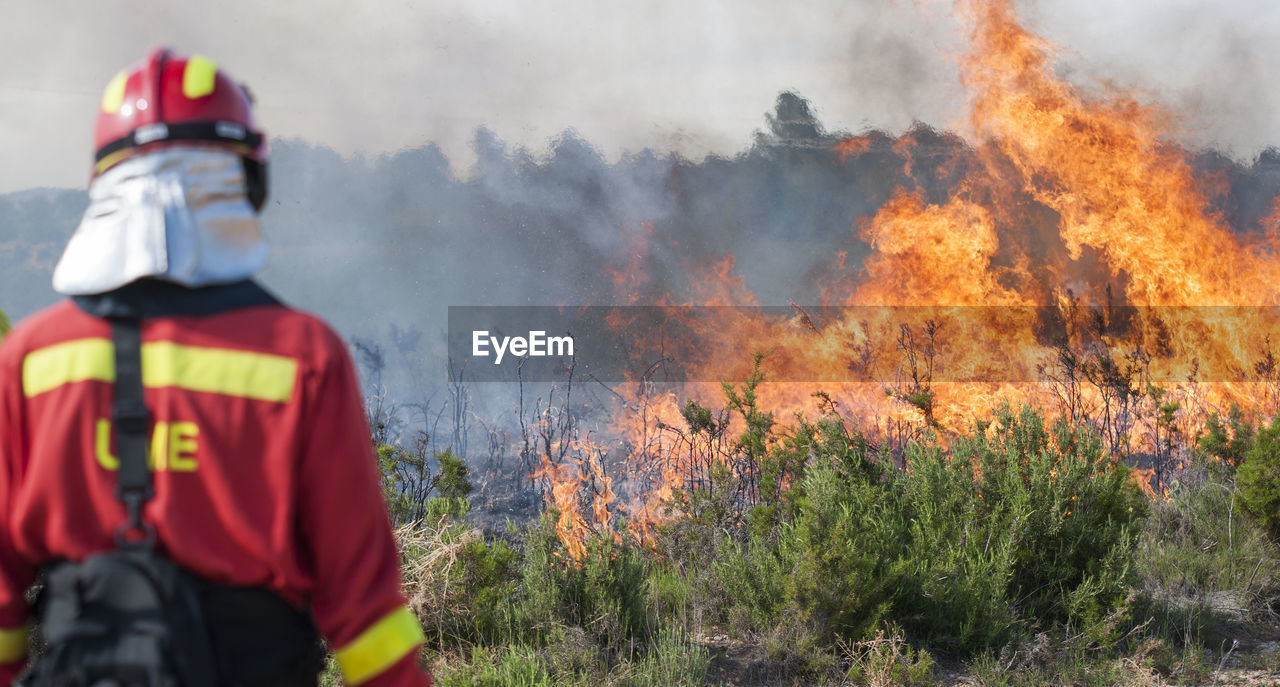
{"x": 357, "y": 601}
{"x": 16, "y": 574}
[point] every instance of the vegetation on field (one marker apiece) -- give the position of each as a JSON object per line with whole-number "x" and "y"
{"x": 1022, "y": 552}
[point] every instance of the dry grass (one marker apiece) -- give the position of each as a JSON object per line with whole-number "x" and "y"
{"x": 428, "y": 554}
{"x": 886, "y": 660}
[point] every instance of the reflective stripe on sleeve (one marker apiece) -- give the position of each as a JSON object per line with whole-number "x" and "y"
{"x": 258, "y": 376}
{"x": 13, "y": 644}
{"x": 379, "y": 647}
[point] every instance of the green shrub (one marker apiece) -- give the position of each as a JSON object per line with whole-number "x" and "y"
{"x": 1017, "y": 526}
{"x": 603, "y": 593}
{"x": 512, "y": 666}
{"x": 1206, "y": 566}
{"x": 1071, "y": 515}
{"x": 825, "y": 572}
{"x": 1201, "y": 541}
{"x": 1228, "y": 441}
{"x": 958, "y": 557}
{"x": 669, "y": 597}
{"x": 459, "y": 583}
{"x": 748, "y": 584}
{"x": 1259, "y": 478}
{"x": 408, "y": 482}
{"x": 844, "y": 537}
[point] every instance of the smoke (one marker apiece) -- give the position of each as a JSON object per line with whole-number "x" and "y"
{"x": 1210, "y": 64}
{"x": 372, "y": 242}
{"x": 672, "y": 163}
{"x": 691, "y": 78}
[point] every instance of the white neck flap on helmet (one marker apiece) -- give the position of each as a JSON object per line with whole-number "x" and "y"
{"x": 177, "y": 214}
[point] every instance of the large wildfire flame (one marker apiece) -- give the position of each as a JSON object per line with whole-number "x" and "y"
{"x": 1070, "y": 199}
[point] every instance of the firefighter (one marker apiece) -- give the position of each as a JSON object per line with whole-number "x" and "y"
{"x": 260, "y": 454}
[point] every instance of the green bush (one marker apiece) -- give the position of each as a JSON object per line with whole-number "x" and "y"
{"x": 459, "y": 583}
{"x": 747, "y": 585}
{"x": 888, "y": 660}
{"x": 513, "y": 666}
{"x": 845, "y": 535}
{"x": 408, "y": 482}
{"x": 958, "y": 557}
{"x": 1087, "y": 512}
{"x": 603, "y": 593}
{"x": 821, "y": 572}
{"x": 1207, "y": 568}
{"x": 1259, "y": 478}
{"x": 1228, "y": 441}
{"x": 1018, "y": 526}
{"x": 669, "y": 597}
{"x": 1200, "y": 542}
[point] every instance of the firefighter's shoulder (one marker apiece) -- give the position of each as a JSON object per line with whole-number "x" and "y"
{"x": 52, "y": 325}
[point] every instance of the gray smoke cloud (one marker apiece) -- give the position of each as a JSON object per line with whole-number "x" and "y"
{"x": 673, "y": 75}
{"x": 431, "y": 154}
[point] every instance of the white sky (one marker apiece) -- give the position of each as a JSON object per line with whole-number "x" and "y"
{"x": 690, "y": 75}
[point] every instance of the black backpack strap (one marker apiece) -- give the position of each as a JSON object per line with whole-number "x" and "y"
{"x": 132, "y": 419}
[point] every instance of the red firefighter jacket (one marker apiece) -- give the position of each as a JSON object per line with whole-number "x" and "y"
{"x": 262, "y": 462}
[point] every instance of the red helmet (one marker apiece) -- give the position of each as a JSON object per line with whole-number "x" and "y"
{"x": 171, "y": 99}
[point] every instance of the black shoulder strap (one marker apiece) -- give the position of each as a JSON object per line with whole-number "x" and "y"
{"x": 131, "y": 419}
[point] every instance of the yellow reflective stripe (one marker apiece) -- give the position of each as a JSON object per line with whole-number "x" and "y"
{"x": 67, "y": 363}
{"x": 107, "y": 162}
{"x": 113, "y": 96}
{"x": 258, "y": 376}
{"x": 379, "y": 647}
{"x": 198, "y": 77}
{"x": 13, "y": 644}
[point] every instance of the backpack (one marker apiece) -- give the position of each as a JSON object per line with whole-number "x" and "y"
{"x": 125, "y": 618}
{"x": 131, "y": 617}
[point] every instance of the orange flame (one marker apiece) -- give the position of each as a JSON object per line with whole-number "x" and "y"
{"x": 1070, "y": 199}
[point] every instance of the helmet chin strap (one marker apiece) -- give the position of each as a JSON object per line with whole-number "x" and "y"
{"x": 255, "y": 182}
